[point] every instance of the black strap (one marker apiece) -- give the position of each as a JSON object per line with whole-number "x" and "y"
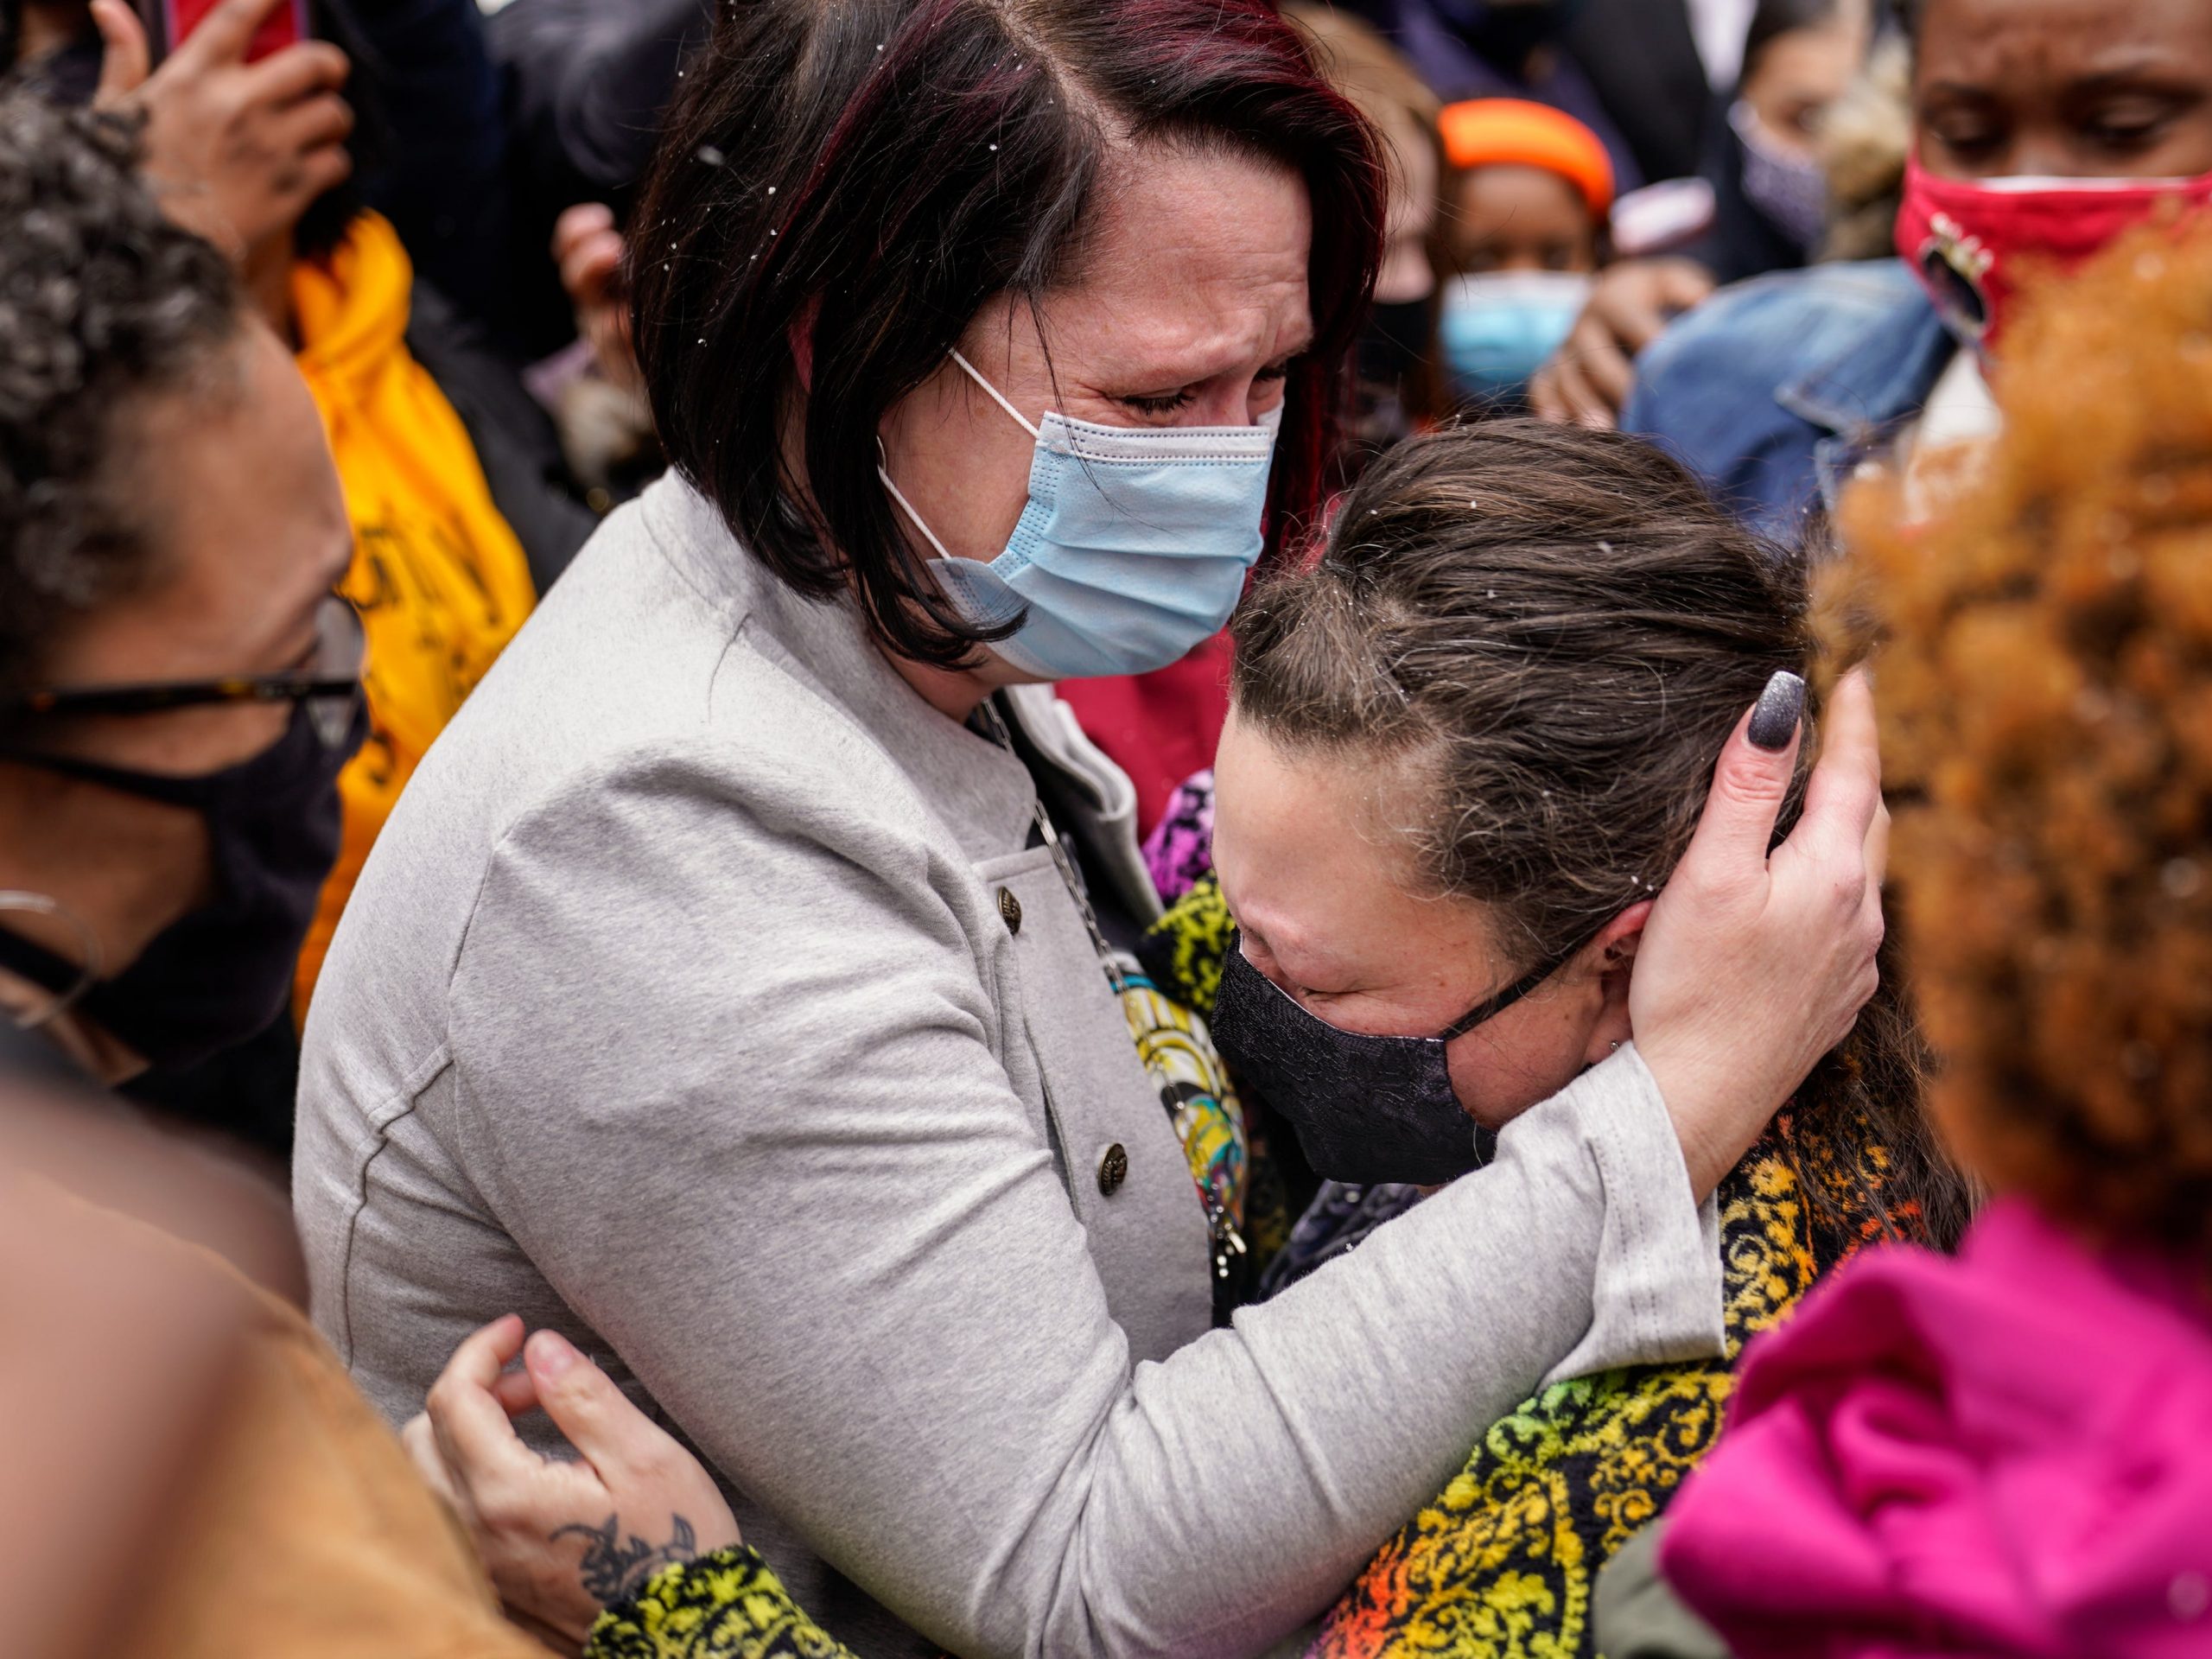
{"x": 43, "y": 968}
{"x": 28, "y": 1057}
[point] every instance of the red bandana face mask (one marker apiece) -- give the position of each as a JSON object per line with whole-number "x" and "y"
{"x": 1967, "y": 240}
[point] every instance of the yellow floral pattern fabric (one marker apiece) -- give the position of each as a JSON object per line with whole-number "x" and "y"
{"x": 726, "y": 1605}
{"x": 1185, "y": 948}
{"x": 1179, "y": 1057}
{"x": 1503, "y": 1564}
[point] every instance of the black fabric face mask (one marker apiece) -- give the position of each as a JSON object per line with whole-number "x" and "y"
{"x": 220, "y": 975}
{"x": 1365, "y": 1108}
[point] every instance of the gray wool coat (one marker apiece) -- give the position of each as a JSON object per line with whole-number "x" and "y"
{"x": 677, "y": 1010}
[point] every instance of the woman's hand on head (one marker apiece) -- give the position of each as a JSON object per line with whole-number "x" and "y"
{"x": 1753, "y": 966}
{"x": 561, "y": 1541}
{"x": 242, "y": 149}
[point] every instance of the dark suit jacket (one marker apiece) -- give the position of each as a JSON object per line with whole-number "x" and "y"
{"x": 1643, "y": 60}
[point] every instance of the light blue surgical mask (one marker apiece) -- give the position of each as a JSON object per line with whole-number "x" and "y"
{"x": 1499, "y": 327}
{"x": 1132, "y": 551}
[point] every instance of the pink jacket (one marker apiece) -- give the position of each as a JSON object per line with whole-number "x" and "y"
{"x": 2009, "y": 1453}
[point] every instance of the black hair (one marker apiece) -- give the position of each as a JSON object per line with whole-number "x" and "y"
{"x": 107, "y": 300}
{"x": 889, "y": 165}
{"x": 328, "y": 218}
{"x": 1773, "y": 18}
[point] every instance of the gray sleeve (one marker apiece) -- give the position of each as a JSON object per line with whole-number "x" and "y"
{"x": 1636, "y": 1613}
{"x": 724, "y": 1073}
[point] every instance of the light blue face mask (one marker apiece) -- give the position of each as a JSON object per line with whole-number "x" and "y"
{"x": 1134, "y": 548}
{"x": 1499, "y": 327}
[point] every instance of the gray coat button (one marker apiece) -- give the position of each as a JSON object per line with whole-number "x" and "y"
{"x": 1010, "y": 910}
{"x": 1113, "y": 1170}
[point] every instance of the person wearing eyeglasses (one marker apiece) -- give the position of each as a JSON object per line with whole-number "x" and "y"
{"x": 190, "y": 1472}
{"x": 179, "y": 686}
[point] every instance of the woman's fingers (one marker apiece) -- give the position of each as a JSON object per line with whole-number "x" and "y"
{"x": 323, "y": 170}
{"x": 486, "y": 1352}
{"x": 303, "y": 71}
{"x": 632, "y": 1478}
{"x": 1564, "y": 393}
{"x": 578, "y": 224}
{"x": 1677, "y": 285}
{"x": 324, "y": 121}
{"x": 1607, "y": 365}
{"x": 224, "y": 34}
{"x": 613, "y": 1435}
{"x": 517, "y": 1393}
{"x": 125, "y": 59}
{"x": 421, "y": 1445}
{"x": 1589, "y": 378}
{"x": 588, "y": 272}
{"x": 473, "y": 1433}
{"x": 1844, "y": 797}
{"x": 1729, "y": 849}
{"x": 1547, "y": 401}
{"x": 588, "y": 249}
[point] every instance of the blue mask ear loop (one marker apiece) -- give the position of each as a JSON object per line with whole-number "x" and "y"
{"x": 883, "y": 472}
{"x": 883, "y": 456}
{"x": 997, "y": 396}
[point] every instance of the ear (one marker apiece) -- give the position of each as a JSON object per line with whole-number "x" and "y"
{"x": 1612, "y": 957}
{"x": 802, "y": 344}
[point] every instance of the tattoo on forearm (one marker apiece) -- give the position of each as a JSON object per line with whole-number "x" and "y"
{"x": 613, "y": 1571}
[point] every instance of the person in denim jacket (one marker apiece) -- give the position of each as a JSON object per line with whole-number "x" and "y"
{"x": 1778, "y": 388}
{"x": 2040, "y": 129}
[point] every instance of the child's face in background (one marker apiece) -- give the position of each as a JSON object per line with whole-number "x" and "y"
{"x": 1512, "y": 218}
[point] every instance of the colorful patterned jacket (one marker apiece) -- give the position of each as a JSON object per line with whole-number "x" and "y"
{"x": 1502, "y": 1563}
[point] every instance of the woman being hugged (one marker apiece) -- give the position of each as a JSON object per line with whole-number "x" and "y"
{"x": 735, "y": 990}
{"x": 1476, "y": 731}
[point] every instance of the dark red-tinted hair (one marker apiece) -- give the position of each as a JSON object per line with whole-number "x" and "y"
{"x": 897, "y": 164}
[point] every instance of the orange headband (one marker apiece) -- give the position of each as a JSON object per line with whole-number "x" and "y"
{"x": 1494, "y": 131}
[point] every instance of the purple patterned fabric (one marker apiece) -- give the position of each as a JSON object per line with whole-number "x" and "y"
{"x": 1180, "y": 849}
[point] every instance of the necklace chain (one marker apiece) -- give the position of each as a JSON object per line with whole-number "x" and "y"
{"x": 1229, "y": 1249}
{"x": 1071, "y": 877}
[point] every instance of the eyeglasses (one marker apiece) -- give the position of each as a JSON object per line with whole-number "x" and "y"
{"x": 329, "y": 689}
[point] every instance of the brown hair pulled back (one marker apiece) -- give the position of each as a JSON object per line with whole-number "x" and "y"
{"x": 1552, "y": 632}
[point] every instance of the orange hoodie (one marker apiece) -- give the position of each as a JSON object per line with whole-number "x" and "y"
{"x": 440, "y": 579}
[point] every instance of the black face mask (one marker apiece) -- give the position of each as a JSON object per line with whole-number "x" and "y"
{"x": 221, "y": 974}
{"x": 1395, "y": 340}
{"x": 1366, "y": 1108}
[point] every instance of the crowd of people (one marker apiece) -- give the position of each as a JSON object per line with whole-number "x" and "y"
{"x": 1064, "y": 828}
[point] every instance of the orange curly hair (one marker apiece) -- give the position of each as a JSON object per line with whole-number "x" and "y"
{"x": 2046, "y": 688}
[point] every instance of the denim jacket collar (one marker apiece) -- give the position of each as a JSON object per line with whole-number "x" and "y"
{"x": 1864, "y": 396}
